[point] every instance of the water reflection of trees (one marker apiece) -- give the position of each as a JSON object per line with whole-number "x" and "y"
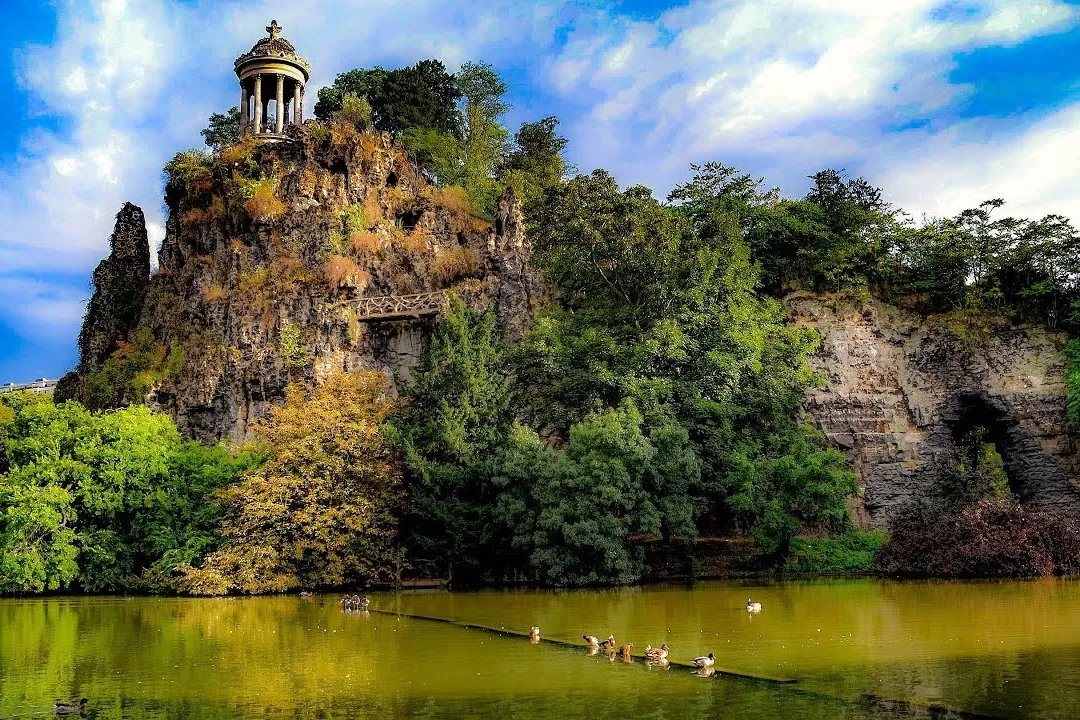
{"x": 283, "y": 657}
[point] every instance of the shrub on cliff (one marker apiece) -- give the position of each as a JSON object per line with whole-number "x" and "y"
{"x": 260, "y": 202}
{"x": 130, "y": 372}
{"x": 1072, "y": 384}
{"x": 321, "y": 510}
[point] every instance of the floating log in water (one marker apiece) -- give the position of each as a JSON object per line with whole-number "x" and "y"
{"x": 574, "y": 644}
{"x": 875, "y": 703}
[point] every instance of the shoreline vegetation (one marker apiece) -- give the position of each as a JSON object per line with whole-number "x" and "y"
{"x": 658, "y": 394}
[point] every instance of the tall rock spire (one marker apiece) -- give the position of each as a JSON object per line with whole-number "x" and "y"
{"x": 120, "y": 283}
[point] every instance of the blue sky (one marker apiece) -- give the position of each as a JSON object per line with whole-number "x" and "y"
{"x": 943, "y": 104}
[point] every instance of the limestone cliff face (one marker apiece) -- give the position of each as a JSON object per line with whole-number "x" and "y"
{"x": 258, "y": 295}
{"x": 901, "y": 389}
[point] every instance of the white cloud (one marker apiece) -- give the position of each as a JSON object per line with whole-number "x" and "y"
{"x": 1031, "y": 165}
{"x": 730, "y": 80}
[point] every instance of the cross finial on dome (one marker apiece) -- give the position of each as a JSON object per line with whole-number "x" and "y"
{"x": 274, "y": 29}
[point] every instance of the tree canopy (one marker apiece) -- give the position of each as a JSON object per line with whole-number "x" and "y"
{"x": 423, "y": 95}
{"x": 103, "y": 502}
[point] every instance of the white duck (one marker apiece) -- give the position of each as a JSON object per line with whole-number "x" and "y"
{"x": 752, "y": 606}
{"x": 704, "y": 661}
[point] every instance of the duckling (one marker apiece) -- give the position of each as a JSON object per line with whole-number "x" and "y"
{"x": 625, "y": 650}
{"x": 591, "y": 640}
{"x": 364, "y": 603}
{"x": 608, "y": 644}
{"x": 534, "y": 633}
{"x": 63, "y": 707}
{"x": 704, "y": 661}
{"x": 752, "y": 606}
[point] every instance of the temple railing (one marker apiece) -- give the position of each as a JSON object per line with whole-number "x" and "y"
{"x": 399, "y": 307}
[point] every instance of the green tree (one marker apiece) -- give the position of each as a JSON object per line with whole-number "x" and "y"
{"x": 37, "y": 539}
{"x": 103, "y": 500}
{"x": 536, "y": 161}
{"x": 484, "y": 141}
{"x": 594, "y": 500}
{"x": 456, "y": 419}
{"x": 659, "y": 305}
{"x": 790, "y": 481}
{"x": 223, "y": 129}
{"x": 421, "y": 96}
{"x": 1072, "y": 384}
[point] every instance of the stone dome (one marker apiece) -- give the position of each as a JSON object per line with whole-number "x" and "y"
{"x": 272, "y": 47}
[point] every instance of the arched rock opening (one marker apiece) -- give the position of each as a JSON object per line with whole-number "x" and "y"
{"x": 1034, "y": 476}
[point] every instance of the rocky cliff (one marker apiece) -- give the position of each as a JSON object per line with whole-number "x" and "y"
{"x": 901, "y": 390}
{"x": 268, "y": 248}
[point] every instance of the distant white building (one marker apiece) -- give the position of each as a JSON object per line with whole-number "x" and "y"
{"x": 38, "y": 386}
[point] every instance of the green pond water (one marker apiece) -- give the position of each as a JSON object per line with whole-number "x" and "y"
{"x": 854, "y": 649}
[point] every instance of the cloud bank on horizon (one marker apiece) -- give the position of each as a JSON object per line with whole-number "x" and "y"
{"x": 943, "y": 104}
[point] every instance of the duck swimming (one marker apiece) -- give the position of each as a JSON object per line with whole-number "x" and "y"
{"x": 608, "y": 644}
{"x": 704, "y": 661}
{"x": 660, "y": 653}
{"x": 63, "y": 707}
{"x": 591, "y": 640}
{"x": 534, "y": 633}
{"x": 752, "y": 606}
{"x": 625, "y": 651}
{"x": 364, "y": 603}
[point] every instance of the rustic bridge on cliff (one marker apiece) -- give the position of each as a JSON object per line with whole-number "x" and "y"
{"x": 399, "y": 307}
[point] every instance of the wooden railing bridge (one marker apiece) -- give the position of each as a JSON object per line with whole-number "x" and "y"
{"x": 399, "y": 307}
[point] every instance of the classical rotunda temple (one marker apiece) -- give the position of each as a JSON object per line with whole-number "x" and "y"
{"x": 271, "y": 71}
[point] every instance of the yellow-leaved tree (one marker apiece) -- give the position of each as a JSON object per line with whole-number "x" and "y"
{"x": 322, "y": 510}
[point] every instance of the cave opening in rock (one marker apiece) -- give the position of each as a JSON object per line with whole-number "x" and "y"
{"x": 409, "y": 218}
{"x": 989, "y": 452}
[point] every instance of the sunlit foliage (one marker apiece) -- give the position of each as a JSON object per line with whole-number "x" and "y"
{"x": 321, "y": 510}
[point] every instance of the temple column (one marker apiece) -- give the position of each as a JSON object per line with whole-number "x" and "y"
{"x": 298, "y": 104}
{"x": 279, "y": 112}
{"x": 244, "y": 109}
{"x": 258, "y": 105}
